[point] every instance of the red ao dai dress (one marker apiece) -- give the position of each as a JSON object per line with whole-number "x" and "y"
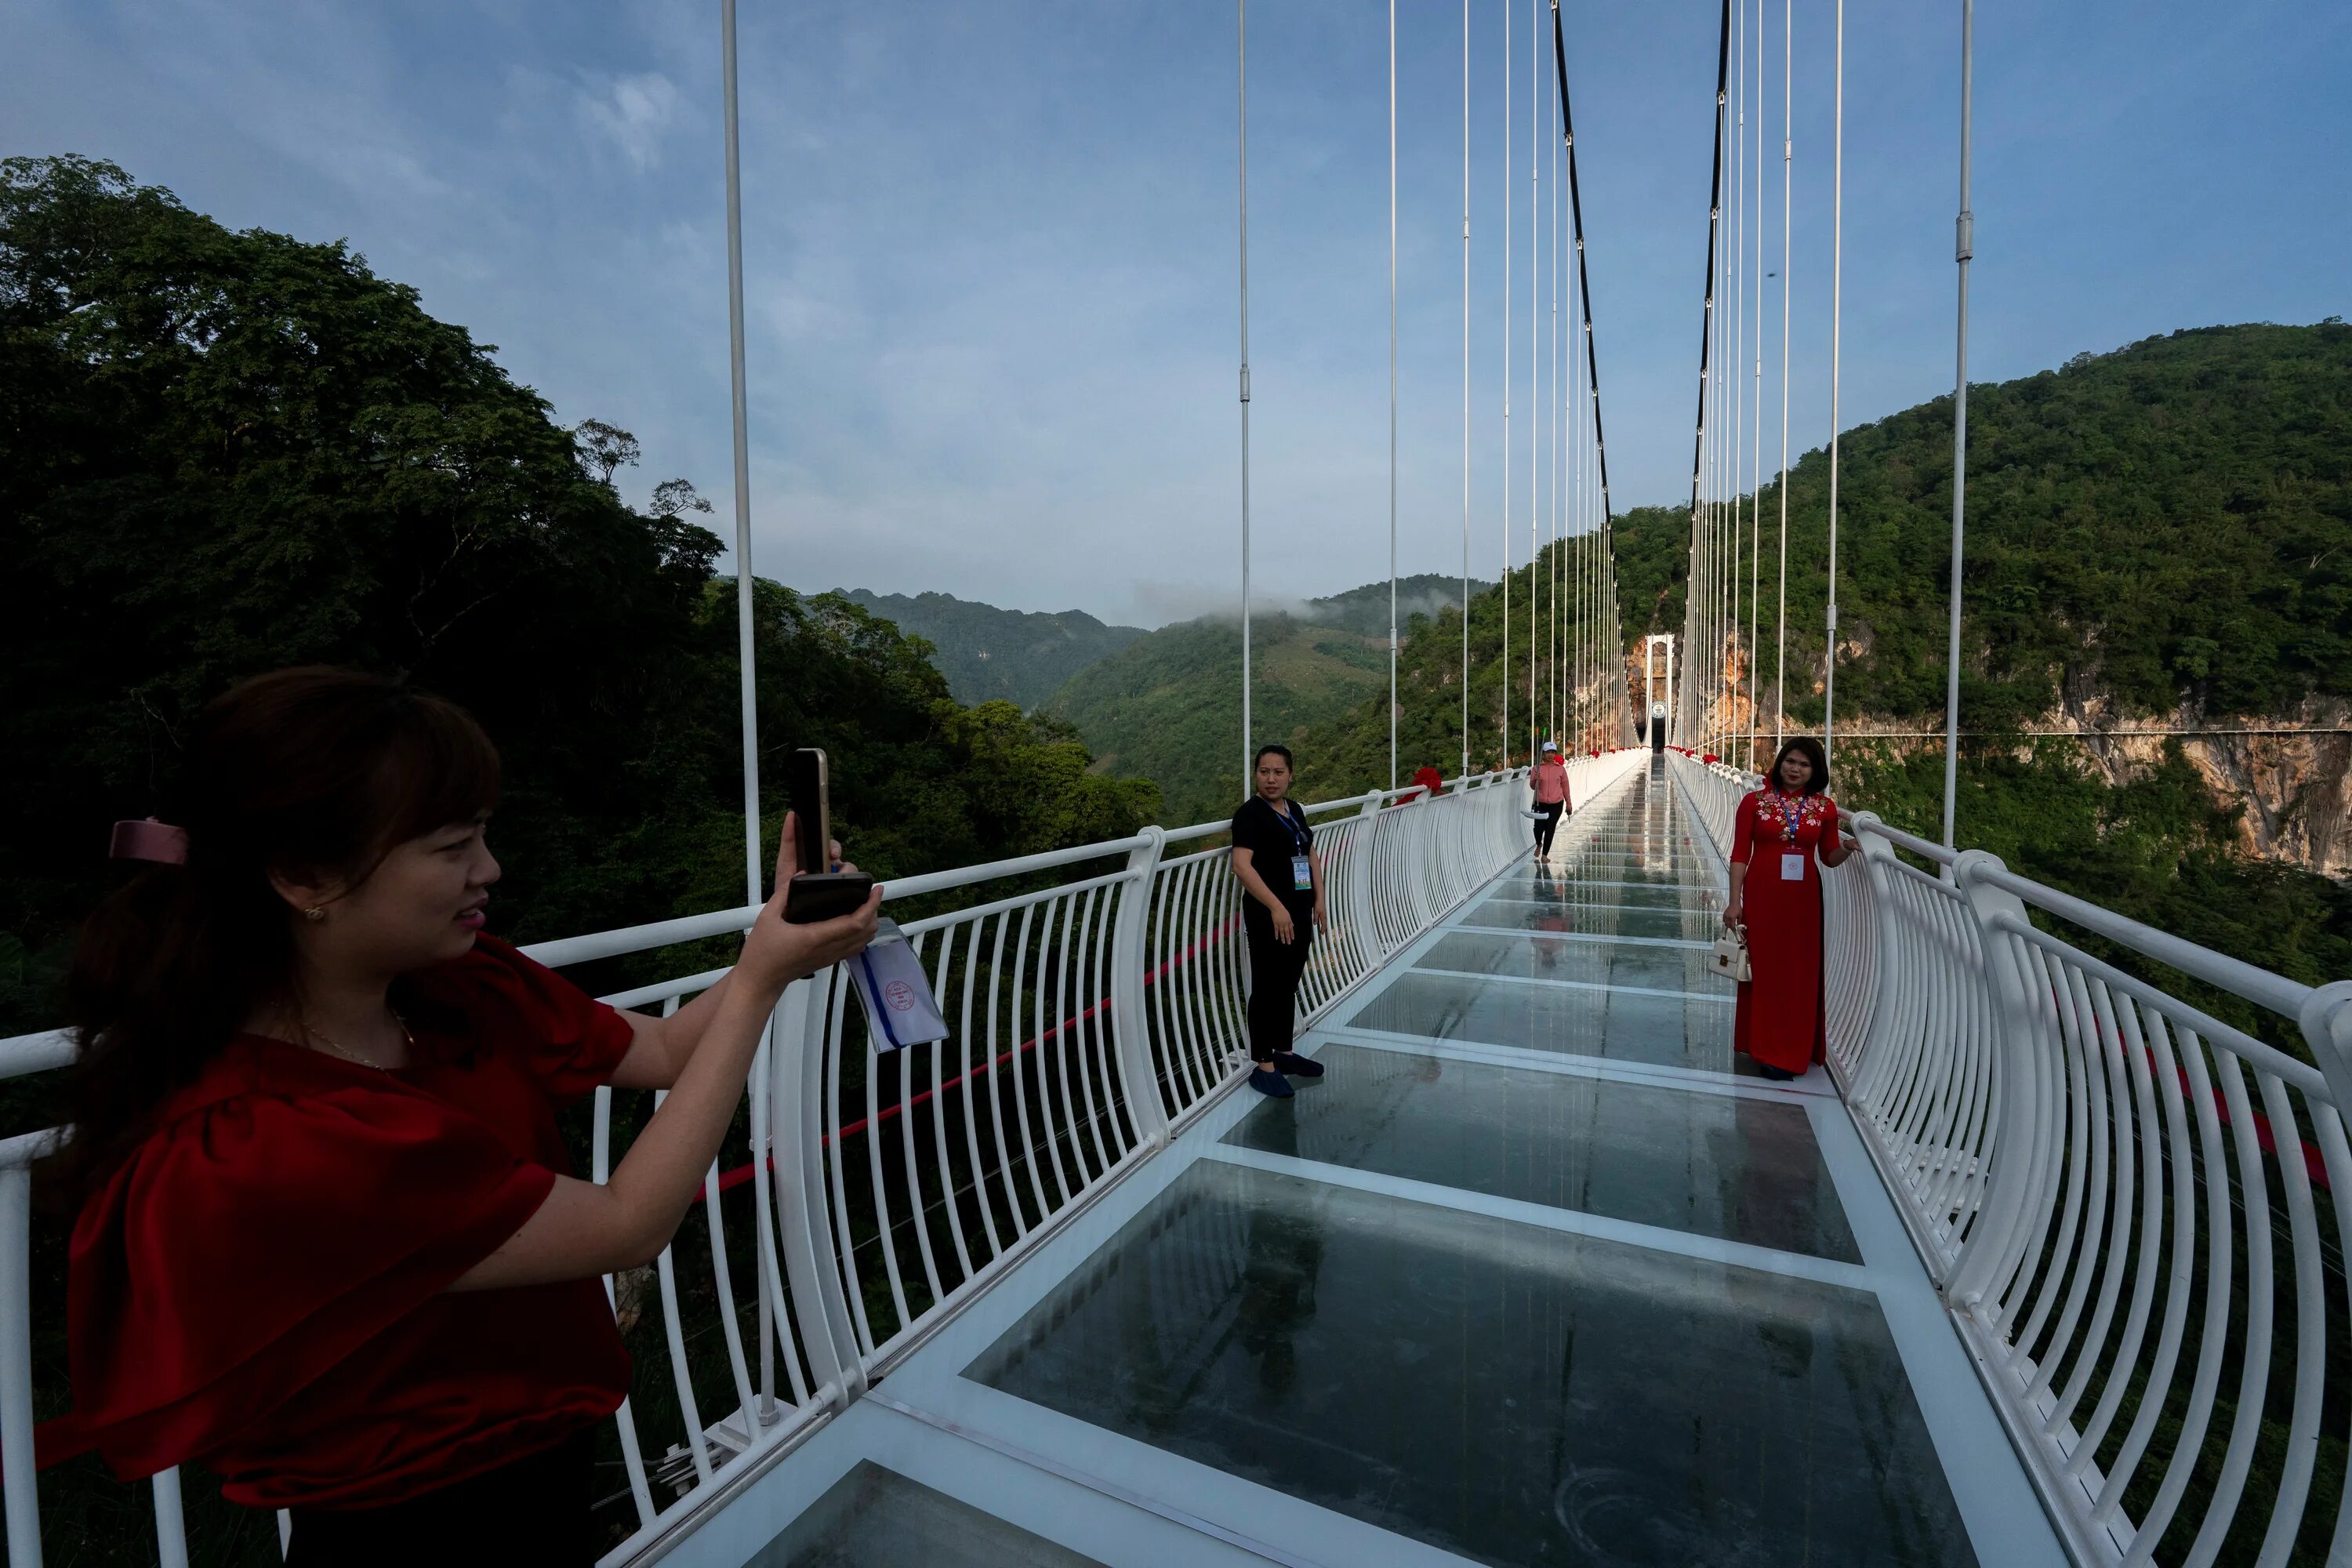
{"x": 1777, "y": 838}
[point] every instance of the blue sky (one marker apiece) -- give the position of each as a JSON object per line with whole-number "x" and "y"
{"x": 991, "y": 248}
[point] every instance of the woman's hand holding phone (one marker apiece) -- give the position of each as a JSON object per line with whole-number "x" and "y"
{"x": 778, "y": 951}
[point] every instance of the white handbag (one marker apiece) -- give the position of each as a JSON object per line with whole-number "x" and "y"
{"x": 1730, "y": 957}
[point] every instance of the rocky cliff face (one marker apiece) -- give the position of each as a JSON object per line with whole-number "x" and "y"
{"x": 2290, "y": 775}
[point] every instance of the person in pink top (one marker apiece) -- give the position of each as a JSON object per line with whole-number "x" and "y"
{"x": 1549, "y": 782}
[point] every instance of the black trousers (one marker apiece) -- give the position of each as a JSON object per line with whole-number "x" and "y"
{"x": 534, "y": 1510}
{"x": 1546, "y": 825}
{"x": 1274, "y": 969}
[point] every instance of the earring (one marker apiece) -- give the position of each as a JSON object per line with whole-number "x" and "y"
{"x": 315, "y": 912}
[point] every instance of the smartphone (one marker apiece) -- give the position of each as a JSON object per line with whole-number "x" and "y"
{"x": 818, "y": 891}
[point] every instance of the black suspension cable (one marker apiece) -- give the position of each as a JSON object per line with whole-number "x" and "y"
{"x": 1576, "y": 226}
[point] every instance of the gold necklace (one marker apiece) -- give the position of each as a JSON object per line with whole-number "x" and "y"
{"x": 336, "y": 1049}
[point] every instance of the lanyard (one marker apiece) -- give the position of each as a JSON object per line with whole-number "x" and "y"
{"x": 1299, "y": 835}
{"x": 1792, "y": 813}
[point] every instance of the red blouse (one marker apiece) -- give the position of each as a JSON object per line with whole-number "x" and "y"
{"x": 261, "y": 1286}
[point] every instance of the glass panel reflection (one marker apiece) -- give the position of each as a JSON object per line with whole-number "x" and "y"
{"x": 1626, "y": 1025}
{"x": 1504, "y": 1391}
{"x": 877, "y": 1518}
{"x": 1596, "y": 918}
{"x": 1744, "y": 1170}
{"x": 1538, "y": 957}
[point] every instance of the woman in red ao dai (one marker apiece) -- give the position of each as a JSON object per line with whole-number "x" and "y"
{"x": 1784, "y": 833}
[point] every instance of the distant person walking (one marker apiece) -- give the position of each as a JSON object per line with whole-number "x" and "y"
{"x": 1549, "y": 782}
{"x": 1281, "y": 907}
{"x": 1784, "y": 833}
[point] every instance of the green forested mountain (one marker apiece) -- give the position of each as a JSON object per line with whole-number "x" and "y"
{"x": 1365, "y": 610}
{"x": 2168, "y": 524}
{"x": 1166, "y": 707}
{"x": 221, "y": 453}
{"x": 988, "y": 655}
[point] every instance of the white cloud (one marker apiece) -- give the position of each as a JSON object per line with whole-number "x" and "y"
{"x": 635, "y": 112}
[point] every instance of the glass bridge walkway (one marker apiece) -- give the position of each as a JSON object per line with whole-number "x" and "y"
{"x": 1538, "y": 1274}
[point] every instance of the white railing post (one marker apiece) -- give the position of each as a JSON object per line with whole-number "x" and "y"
{"x": 1129, "y": 1028}
{"x": 17, "y": 1482}
{"x": 2010, "y": 1142}
{"x": 1875, "y": 1049}
{"x": 2326, "y": 1018}
{"x": 820, "y": 1308}
{"x": 1361, "y": 883}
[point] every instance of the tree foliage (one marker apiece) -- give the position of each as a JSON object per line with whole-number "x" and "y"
{"x": 2167, "y": 525}
{"x": 221, "y": 453}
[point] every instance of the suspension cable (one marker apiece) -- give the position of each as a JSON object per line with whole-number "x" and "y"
{"x": 1249, "y": 771}
{"x": 1575, "y": 234}
{"x": 1508, "y": 191}
{"x": 1738, "y": 665}
{"x": 1535, "y": 369}
{"x": 1837, "y": 348}
{"x": 1756, "y": 443}
{"x": 1583, "y": 282}
{"x": 1788, "y": 150}
{"x": 1699, "y": 618}
{"x": 1465, "y": 387}
{"x": 1393, "y": 399}
{"x": 1963, "y": 248}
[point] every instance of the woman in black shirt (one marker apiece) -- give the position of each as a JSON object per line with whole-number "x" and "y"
{"x": 1281, "y": 907}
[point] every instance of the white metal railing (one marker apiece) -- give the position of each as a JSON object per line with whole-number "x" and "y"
{"x": 2136, "y": 1212}
{"x": 1096, "y": 998}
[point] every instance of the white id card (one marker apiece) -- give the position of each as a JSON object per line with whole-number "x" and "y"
{"x": 1302, "y": 874}
{"x": 1792, "y": 868}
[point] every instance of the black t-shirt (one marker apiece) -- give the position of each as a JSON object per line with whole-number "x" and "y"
{"x": 1272, "y": 839}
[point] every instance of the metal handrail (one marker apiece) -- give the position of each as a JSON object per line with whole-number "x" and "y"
{"x": 1090, "y": 1018}
{"x": 2118, "y": 1195}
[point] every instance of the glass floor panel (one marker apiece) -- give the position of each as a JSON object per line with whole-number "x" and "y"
{"x": 1507, "y": 1393}
{"x": 1628, "y": 1025}
{"x": 1655, "y": 871}
{"x": 1729, "y": 1166}
{"x": 876, "y": 1518}
{"x": 1538, "y": 957}
{"x": 1644, "y": 895}
{"x": 1593, "y": 917}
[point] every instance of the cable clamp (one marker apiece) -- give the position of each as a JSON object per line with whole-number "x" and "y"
{"x": 1964, "y": 234}
{"x": 1245, "y": 384}
{"x": 1832, "y": 618}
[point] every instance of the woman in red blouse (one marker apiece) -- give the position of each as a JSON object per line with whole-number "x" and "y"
{"x": 1776, "y": 893}
{"x": 329, "y": 1244}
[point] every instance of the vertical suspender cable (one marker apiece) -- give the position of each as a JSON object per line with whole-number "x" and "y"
{"x": 1698, "y": 608}
{"x": 1788, "y": 147}
{"x": 743, "y": 640}
{"x": 1508, "y": 191}
{"x": 1583, "y": 278}
{"x": 1756, "y": 440}
{"x": 745, "y": 653}
{"x": 1963, "y": 250}
{"x": 1534, "y": 382}
{"x": 1552, "y": 412}
{"x": 1466, "y": 388}
{"x": 1249, "y": 771}
{"x": 1731, "y": 367}
{"x": 1392, "y": 401}
{"x": 1837, "y": 349}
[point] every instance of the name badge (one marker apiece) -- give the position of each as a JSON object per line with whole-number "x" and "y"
{"x": 1792, "y": 868}
{"x": 1302, "y": 874}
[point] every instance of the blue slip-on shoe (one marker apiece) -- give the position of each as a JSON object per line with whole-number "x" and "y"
{"x": 1271, "y": 1084}
{"x": 1296, "y": 1065}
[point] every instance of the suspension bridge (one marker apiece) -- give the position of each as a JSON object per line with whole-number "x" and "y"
{"x": 2042, "y": 1265}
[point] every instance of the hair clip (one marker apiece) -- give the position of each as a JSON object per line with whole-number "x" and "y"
{"x": 149, "y": 839}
